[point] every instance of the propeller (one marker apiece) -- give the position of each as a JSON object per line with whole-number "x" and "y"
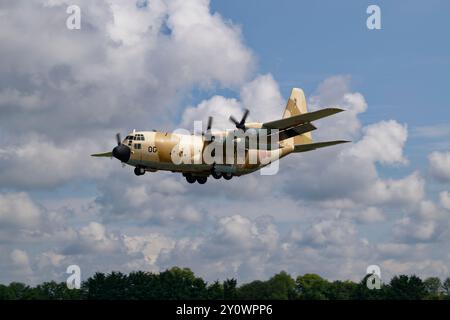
{"x": 121, "y": 152}
{"x": 240, "y": 124}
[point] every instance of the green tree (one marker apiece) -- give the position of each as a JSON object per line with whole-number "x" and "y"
{"x": 215, "y": 291}
{"x": 178, "y": 283}
{"x": 341, "y": 290}
{"x": 112, "y": 286}
{"x": 18, "y": 290}
{"x": 6, "y": 293}
{"x": 53, "y": 291}
{"x": 433, "y": 286}
{"x": 406, "y": 288}
{"x": 255, "y": 290}
{"x": 446, "y": 286}
{"x": 362, "y": 292}
{"x": 312, "y": 287}
{"x": 229, "y": 289}
{"x": 142, "y": 285}
{"x": 282, "y": 287}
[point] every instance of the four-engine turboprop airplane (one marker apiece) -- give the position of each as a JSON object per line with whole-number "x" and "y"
{"x": 199, "y": 156}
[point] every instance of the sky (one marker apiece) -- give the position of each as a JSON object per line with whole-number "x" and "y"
{"x": 382, "y": 200}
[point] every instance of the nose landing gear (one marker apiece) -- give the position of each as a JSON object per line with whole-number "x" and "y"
{"x": 139, "y": 171}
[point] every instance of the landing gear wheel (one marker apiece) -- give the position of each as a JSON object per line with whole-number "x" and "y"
{"x": 202, "y": 180}
{"x": 216, "y": 175}
{"x": 139, "y": 171}
{"x": 227, "y": 176}
{"x": 190, "y": 178}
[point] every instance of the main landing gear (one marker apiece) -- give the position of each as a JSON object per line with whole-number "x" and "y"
{"x": 139, "y": 171}
{"x": 202, "y": 179}
{"x": 192, "y": 179}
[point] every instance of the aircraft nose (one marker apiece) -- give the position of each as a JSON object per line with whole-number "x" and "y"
{"x": 122, "y": 153}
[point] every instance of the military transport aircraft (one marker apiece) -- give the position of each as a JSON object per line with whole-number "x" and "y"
{"x": 202, "y": 156}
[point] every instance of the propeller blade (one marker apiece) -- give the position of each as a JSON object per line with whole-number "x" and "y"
{"x": 210, "y": 120}
{"x": 244, "y": 117}
{"x": 240, "y": 124}
{"x": 232, "y": 119}
{"x": 105, "y": 154}
{"x": 119, "y": 140}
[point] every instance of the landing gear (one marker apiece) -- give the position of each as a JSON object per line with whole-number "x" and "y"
{"x": 139, "y": 171}
{"x": 227, "y": 176}
{"x": 202, "y": 180}
{"x": 191, "y": 179}
{"x": 216, "y": 175}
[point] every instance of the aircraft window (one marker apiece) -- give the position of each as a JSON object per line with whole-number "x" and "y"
{"x": 137, "y": 146}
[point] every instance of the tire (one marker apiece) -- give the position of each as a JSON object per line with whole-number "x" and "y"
{"x": 139, "y": 171}
{"x": 202, "y": 180}
{"x": 216, "y": 175}
{"x": 227, "y": 176}
{"x": 190, "y": 178}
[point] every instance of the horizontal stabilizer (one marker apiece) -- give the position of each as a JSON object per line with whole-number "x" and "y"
{"x": 317, "y": 145}
{"x": 295, "y": 131}
{"x": 106, "y": 154}
{"x": 300, "y": 119}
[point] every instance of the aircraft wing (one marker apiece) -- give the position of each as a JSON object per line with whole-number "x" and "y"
{"x": 317, "y": 145}
{"x": 303, "y": 118}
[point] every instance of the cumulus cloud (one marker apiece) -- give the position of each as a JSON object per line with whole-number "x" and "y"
{"x": 18, "y": 211}
{"x": 262, "y": 97}
{"x": 72, "y": 92}
{"x": 20, "y": 260}
{"x": 444, "y": 197}
{"x": 439, "y": 164}
{"x": 336, "y": 91}
{"x": 382, "y": 142}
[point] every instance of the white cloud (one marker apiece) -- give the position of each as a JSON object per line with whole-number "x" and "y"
{"x": 21, "y": 261}
{"x": 35, "y": 162}
{"x": 218, "y": 107}
{"x": 262, "y": 97}
{"x": 17, "y": 211}
{"x": 444, "y": 197}
{"x": 439, "y": 164}
{"x": 335, "y": 91}
{"x": 382, "y": 142}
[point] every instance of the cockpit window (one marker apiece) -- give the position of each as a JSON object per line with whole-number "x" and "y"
{"x": 139, "y": 137}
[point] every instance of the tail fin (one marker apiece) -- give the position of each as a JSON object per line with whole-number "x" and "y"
{"x": 297, "y": 105}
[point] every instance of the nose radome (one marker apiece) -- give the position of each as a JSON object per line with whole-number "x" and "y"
{"x": 122, "y": 153}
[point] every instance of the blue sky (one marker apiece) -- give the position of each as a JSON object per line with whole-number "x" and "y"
{"x": 383, "y": 199}
{"x": 402, "y": 69}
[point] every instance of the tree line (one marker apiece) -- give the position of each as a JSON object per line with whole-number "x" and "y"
{"x": 182, "y": 284}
